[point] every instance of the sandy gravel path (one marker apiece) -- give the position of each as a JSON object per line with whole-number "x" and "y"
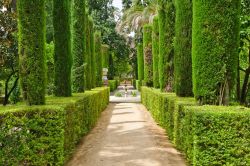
{"x": 126, "y": 135}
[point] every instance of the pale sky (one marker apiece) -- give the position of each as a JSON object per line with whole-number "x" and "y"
{"x": 118, "y": 4}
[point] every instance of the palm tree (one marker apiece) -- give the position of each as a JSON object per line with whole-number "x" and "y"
{"x": 139, "y": 14}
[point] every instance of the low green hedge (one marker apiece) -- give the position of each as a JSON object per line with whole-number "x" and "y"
{"x": 113, "y": 85}
{"x": 47, "y": 135}
{"x": 208, "y": 135}
{"x": 138, "y": 85}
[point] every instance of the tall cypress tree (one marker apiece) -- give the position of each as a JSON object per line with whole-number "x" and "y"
{"x": 147, "y": 51}
{"x": 88, "y": 54}
{"x": 105, "y": 56}
{"x": 78, "y": 48}
{"x": 183, "y": 48}
{"x": 98, "y": 55}
{"x": 31, "y": 33}
{"x": 166, "y": 51}
{"x": 215, "y": 49}
{"x": 140, "y": 62}
{"x": 63, "y": 59}
{"x": 93, "y": 58}
{"x": 155, "y": 51}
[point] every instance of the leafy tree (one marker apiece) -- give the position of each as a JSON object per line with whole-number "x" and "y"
{"x": 244, "y": 56}
{"x": 8, "y": 48}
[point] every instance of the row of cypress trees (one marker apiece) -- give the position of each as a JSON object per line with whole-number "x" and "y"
{"x": 76, "y": 54}
{"x": 194, "y": 49}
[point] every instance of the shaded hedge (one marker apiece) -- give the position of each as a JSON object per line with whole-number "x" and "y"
{"x": 155, "y": 51}
{"x": 166, "y": 13}
{"x": 183, "y": 48}
{"x": 148, "y": 58}
{"x": 31, "y": 41}
{"x": 140, "y": 61}
{"x": 208, "y": 135}
{"x": 215, "y": 49}
{"x": 63, "y": 58}
{"x": 47, "y": 135}
{"x": 98, "y": 55}
{"x": 78, "y": 47}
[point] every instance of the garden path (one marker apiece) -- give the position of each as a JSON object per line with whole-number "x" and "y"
{"x": 126, "y": 135}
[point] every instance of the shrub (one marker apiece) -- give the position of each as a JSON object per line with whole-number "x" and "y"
{"x": 140, "y": 62}
{"x": 31, "y": 41}
{"x": 47, "y": 135}
{"x": 147, "y": 51}
{"x": 78, "y": 47}
{"x": 183, "y": 48}
{"x": 93, "y": 59}
{"x": 215, "y": 49}
{"x": 138, "y": 85}
{"x": 155, "y": 51}
{"x": 166, "y": 15}
{"x": 63, "y": 58}
{"x": 112, "y": 85}
{"x": 208, "y": 135}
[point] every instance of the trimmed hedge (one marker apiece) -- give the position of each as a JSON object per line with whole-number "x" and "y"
{"x": 98, "y": 55}
{"x": 140, "y": 64}
{"x": 183, "y": 48}
{"x": 113, "y": 85}
{"x": 166, "y": 15}
{"x": 138, "y": 85}
{"x": 148, "y": 57}
{"x": 155, "y": 51}
{"x": 63, "y": 58}
{"x": 78, "y": 47}
{"x": 208, "y": 135}
{"x": 47, "y": 135}
{"x": 31, "y": 42}
{"x": 215, "y": 49}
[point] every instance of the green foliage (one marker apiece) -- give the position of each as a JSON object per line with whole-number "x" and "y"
{"x": 78, "y": 47}
{"x": 216, "y": 135}
{"x": 49, "y": 20}
{"x": 88, "y": 54}
{"x": 215, "y": 49}
{"x": 140, "y": 61}
{"x": 93, "y": 56}
{"x": 63, "y": 58}
{"x": 138, "y": 85}
{"x": 118, "y": 94}
{"x": 183, "y": 48}
{"x": 148, "y": 58}
{"x": 166, "y": 15}
{"x": 105, "y": 56}
{"x": 208, "y": 135}
{"x": 31, "y": 25}
{"x": 155, "y": 51}
{"x": 113, "y": 85}
{"x": 98, "y": 55}
{"x": 50, "y": 68}
{"x": 47, "y": 135}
